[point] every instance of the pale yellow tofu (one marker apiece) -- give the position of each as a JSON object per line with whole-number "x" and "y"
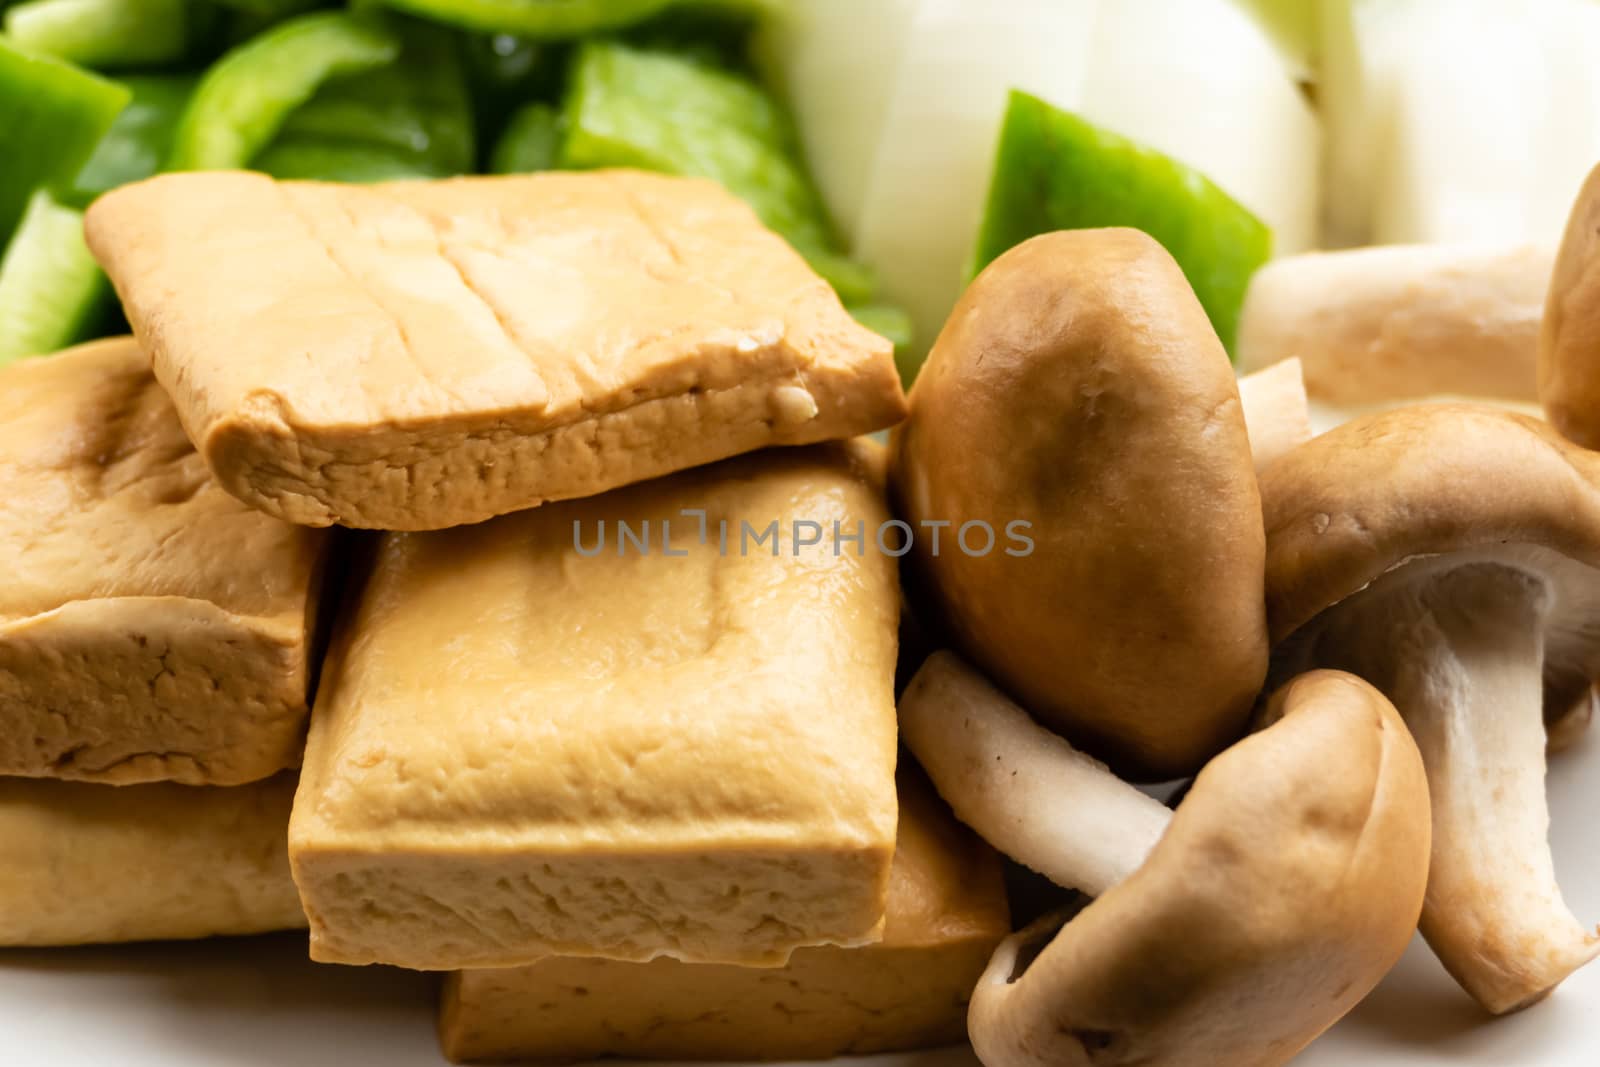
{"x": 521, "y": 750}
{"x": 83, "y": 863}
{"x": 152, "y": 627}
{"x": 417, "y": 355}
{"x": 946, "y": 913}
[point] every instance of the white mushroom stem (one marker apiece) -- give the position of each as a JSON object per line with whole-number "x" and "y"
{"x": 1022, "y": 788}
{"x": 1277, "y": 414}
{"x": 1460, "y": 651}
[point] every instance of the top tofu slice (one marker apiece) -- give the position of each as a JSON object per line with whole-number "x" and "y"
{"x": 417, "y": 355}
{"x": 152, "y": 627}
{"x": 520, "y": 750}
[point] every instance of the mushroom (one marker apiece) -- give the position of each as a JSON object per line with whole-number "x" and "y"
{"x": 1234, "y": 930}
{"x": 1079, "y": 396}
{"x": 1450, "y": 555}
{"x": 1391, "y": 323}
{"x": 1569, "y": 340}
{"x": 1277, "y": 414}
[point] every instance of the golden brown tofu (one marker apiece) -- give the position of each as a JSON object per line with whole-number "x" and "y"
{"x": 522, "y": 749}
{"x": 417, "y": 355}
{"x": 82, "y": 863}
{"x": 151, "y": 626}
{"x": 946, "y": 913}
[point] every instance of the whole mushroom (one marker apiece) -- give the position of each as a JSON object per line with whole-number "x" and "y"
{"x": 1078, "y": 388}
{"x": 1234, "y": 930}
{"x": 1450, "y": 555}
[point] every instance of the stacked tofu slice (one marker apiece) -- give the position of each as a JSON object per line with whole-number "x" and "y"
{"x": 608, "y": 702}
{"x": 156, "y": 655}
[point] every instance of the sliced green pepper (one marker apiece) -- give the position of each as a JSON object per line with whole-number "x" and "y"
{"x": 243, "y": 100}
{"x": 411, "y": 118}
{"x": 546, "y": 19}
{"x": 325, "y": 162}
{"x": 50, "y": 286}
{"x": 273, "y": 9}
{"x": 105, "y": 33}
{"x": 53, "y": 114}
{"x": 660, "y": 111}
{"x": 139, "y": 140}
{"x": 530, "y": 141}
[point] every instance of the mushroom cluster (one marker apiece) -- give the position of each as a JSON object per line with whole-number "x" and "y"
{"x": 1361, "y": 644}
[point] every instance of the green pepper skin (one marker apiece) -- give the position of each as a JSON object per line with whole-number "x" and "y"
{"x": 661, "y": 111}
{"x": 51, "y": 289}
{"x": 540, "y": 19}
{"x": 106, "y": 34}
{"x": 410, "y": 119}
{"x": 530, "y": 142}
{"x": 139, "y": 140}
{"x": 53, "y": 114}
{"x": 1056, "y": 171}
{"x": 246, "y": 97}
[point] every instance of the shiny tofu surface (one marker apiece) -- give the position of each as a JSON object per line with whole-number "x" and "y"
{"x": 526, "y": 745}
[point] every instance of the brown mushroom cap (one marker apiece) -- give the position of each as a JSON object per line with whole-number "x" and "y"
{"x": 1569, "y": 338}
{"x": 1287, "y": 885}
{"x": 1079, "y": 387}
{"x": 1450, "y": 555}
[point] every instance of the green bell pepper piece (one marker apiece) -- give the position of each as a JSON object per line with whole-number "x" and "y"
{"x": 530, "y": 141}
{"x": 105, "y": 33}
{"x": 1056, "y": 171}
{"x": 139, "y": 140}
{"x": 328, "y": 162}
{"x": 411, "y": 118}
{"x": 51, "y": 289}
{"x": 53, "y": 114}
{"x": 273, "y": 9}
{"x": 544, "y": 19}
{"x": 660, "y": 111}
{"x": 245, "y": 98}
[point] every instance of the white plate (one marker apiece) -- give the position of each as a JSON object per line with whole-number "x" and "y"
{"x": 257, "y": 1002}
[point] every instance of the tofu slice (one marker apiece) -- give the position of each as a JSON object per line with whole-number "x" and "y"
{"x": 417, "y": 355}
{"x": 521, "y": 750}
{"x": 946, "y": 913}
{"x": 83, "y": 863}
{"x": 151, "y": 626}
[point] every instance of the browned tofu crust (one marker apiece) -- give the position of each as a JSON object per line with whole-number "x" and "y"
{"x": 418, "y": 355}
{"x": 152, "y": 627}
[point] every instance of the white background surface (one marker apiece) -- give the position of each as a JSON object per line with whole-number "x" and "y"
{"x": 258, "y": 1002}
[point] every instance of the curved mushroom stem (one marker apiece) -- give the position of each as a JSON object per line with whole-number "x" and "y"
{"x": 1460, "y": 652}
{"x": 1021, "y": 787}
